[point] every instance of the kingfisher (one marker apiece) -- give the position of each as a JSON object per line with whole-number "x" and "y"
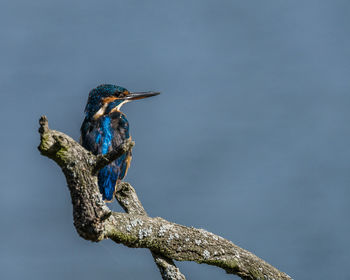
{"x": 104, "y": 128}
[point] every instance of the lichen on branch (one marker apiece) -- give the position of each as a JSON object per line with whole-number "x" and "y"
{"x": 167, "y": 241}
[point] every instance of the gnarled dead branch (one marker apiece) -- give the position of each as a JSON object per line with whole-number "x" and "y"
{"x": 167, "y": 241}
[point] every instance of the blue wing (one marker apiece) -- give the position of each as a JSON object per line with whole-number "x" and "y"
{"x": 101, "y": 136}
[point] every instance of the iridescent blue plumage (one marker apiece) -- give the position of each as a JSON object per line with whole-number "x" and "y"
{"x": 105, "y": 128}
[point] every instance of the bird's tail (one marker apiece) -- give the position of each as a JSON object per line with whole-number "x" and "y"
{"x": 107, "y": 179}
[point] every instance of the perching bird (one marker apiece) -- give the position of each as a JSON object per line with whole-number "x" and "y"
{"x": 105, "y": 127}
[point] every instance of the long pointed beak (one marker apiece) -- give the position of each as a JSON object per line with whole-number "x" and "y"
{"x": 140, "y": 95}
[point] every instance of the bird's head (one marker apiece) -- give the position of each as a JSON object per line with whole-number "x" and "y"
{"x": 106, "y": 98}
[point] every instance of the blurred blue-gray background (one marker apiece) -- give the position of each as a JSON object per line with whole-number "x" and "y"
{"x": 249, "y": 139}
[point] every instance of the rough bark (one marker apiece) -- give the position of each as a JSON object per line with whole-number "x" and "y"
{"x": 130, "y": 202}
{"x": 167, "y": 241}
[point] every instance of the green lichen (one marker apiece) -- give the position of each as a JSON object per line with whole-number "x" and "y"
{"x": 258, "y": 275}
{"x": 44, "y": 143}
{"x": 129, "y": 240}
{"x": 230, "y": 266}
{"x": 52, "y": 149}
{"x": 62, "y": 154}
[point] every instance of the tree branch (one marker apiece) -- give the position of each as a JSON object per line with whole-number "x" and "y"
{"x": 128, "y": 199}
{"x": 94, "y": 221}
